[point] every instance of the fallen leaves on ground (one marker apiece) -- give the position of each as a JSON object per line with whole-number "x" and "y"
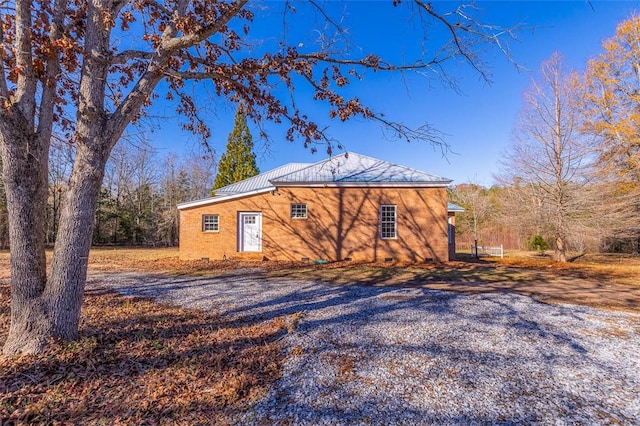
{"x": 167, "y": 260}
{"x": 141, "y": 362}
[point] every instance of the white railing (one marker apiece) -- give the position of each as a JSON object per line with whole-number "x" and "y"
{"x": 497, "y": 251}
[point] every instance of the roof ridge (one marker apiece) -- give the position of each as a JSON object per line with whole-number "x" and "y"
{"x": 311, "y": 165}
{"x": 352, "y": 166}
{"x": 360, "y": 172}
{"x": 399, "y": 165}
{"x": 280, "y": 176}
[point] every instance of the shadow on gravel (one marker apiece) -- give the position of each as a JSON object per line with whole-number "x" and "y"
{"x": 394, "y": 355}
{"x": 252, "y": 296}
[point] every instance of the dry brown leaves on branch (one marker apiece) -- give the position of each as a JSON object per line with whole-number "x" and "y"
{"x": 140, "y": 362}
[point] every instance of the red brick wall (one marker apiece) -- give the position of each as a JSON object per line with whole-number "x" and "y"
{"x": 342, "y": 223}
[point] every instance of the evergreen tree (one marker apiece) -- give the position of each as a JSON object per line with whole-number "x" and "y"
{"x": 238, "y": 161}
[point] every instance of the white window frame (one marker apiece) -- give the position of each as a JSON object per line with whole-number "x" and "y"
{"x": 385, "y": 221}
{"x": 210, "y": 223}
{"x": 296, "y": 210}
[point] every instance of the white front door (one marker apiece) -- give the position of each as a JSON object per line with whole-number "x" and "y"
{"x": 250, "y": 231}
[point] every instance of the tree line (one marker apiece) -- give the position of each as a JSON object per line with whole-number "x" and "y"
{"x": 570, "y": 179}
{"x": 138, "y": 200}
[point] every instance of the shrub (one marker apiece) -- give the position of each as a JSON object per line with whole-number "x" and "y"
{"x": 538, "y": 243}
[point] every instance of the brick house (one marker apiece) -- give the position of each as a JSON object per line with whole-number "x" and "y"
{"x": 346, "y": 207}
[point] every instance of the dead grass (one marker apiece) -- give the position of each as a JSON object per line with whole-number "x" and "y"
{"x": 609, "y": 281}
{"x": 622, "y": 268}
{"x": 146, "y": 259}
{"x": 467, "y": 270}
{"x": 601, "y": 280}
{"x": 139, "y": 362}
{"x": 166, "y": 260}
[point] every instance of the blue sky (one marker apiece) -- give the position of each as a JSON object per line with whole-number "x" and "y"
{"x": 476, "y": 123}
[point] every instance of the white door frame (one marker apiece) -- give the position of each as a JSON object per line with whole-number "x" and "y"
{"x": 244, "y": 244}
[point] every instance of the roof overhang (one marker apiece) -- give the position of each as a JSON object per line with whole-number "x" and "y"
{"x": 454, "y": 208}
{"x": 220, "y": 198}
{"x": 442, "y": 184}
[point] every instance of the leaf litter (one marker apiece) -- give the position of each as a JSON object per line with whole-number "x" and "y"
{"x": 141, "y": 362}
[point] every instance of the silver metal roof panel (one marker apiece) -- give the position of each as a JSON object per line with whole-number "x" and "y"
{"x": 260, "y": 181}
{"x": 356, "y": 168}
{"x": 454, "y": 208}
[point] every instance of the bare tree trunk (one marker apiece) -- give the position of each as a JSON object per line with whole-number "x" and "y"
{"x": 44, "y": 309}
{"x": 25, "y": 178}
{"x": 71, "y": 252}
{"x": 560, "y": 243}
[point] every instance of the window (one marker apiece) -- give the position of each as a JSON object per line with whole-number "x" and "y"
{"x": 388, "y": 222}
{"x": 210, "y": 223}
{"x": 298, "y": 211}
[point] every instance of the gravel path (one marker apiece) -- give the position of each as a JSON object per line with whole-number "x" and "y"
{"x": 390, "y": 356}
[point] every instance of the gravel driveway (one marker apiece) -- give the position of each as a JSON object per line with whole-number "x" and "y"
{"x": 386, "y": 356}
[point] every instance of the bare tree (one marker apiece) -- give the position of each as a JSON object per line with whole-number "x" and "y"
{"x": 478, "y": 208}
{"x": 64, "y": 68}
{"x": 522, "y": 210}
{"x": 189, "y": 179}
{"x": 175, "y": 189}
{"x": 201, "y": 172}
{"x": 118, "y": 183}
{"x": 61, "y": 156}
{"x": 141, "y": 194}
{"x": 549, "y": 158}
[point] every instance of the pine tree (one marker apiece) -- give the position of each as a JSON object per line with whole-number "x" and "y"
{"x": 238, "y": 161}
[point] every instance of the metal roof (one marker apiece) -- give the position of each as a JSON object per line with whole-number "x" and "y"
{"x": 454, "y": 208}
{"x": 260, "y": 181}
{"x": 250, "y": 186}
{"x": 358, "y": 169}
{"x": 222, "y": 197}
{"x": 348, "y": 169}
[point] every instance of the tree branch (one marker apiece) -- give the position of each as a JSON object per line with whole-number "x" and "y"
{"x": 157, "y": 66}
{"x": 128, "y": 55}
{"x": 50, "y": 83}
{"x": 472, "y": 28}
{"x": 453, "y": 30}
{"x": 369, "y": 61}
{"x": 4, "y": 87}
{"x": 171, "y": 45}
{"x": 26, "y": 82}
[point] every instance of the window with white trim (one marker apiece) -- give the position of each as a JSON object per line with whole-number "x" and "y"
{"x": 210, "y": 222}
{"x": 388, "y": 222}
{"x": 298, "y": 211}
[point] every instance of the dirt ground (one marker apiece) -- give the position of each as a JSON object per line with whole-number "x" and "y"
{"x": 554, "y": 287}
{"x": 601, "y": 284}
{"x": 604, "y": 281}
